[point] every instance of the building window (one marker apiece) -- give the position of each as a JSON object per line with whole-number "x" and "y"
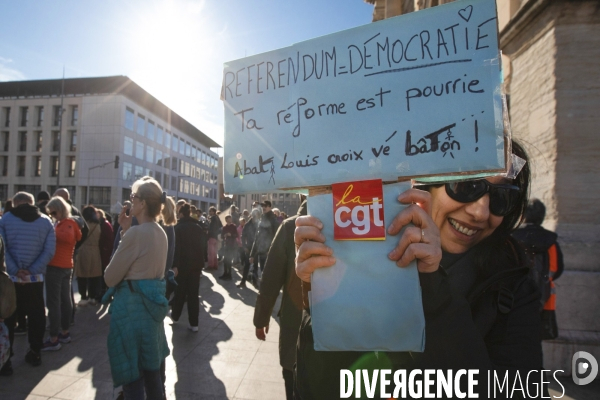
{"x": 148, "y": 172}
{"x": 166, "y": 180}
{"x": 74, "y": 115}
{"x": 37, "y": 166}
{"x": 40, "y": 116}
{"x": 56, "y": 114}
{"x": 54, "y": 166}
{"x": 174, "y": 143}
{"x": 139, "y": 150}
{"x": 159, "y": 156}
{"x": 73, "y": 141}
{"x": 150, "y": 133}
{"x": 129, "y": 116}
{"x": 99, "y": 195}
{"x": 166, "y": 162}
{"x": 187, "y": 168}
{"x": 23, "y": 116}
{"x": 128, "y": 146}
{"x": 141, "y": 124}
{"x": 139, "y": 172}
{"x": 5, "y": 138}
{"x": 168, "y": 140}
{"x": 173, "y": 183}
{"x": 38, "y": 140}
{"x": 174, "y": 163}
{"x": 158, "y": 176}
{"x": 4, "y": 166}
{"x": 149, "y": 154}
{"x": 203, "y": 158}
{"x": 21, "y": 166}
{"x": 159, "y": 134}
{"x": 72, "y": 164}
{"x": 127, "y": 171}
{"x": 182, "y": 146}
{"x": 6, "y": 116}
{"x": 188, "y": 149}
{"x": 55, "y": 140}
{"x": 22, "y": 141}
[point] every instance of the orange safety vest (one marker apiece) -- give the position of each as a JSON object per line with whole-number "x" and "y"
{"x": 553, "y": 261}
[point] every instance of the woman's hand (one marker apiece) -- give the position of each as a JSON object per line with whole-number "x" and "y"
{"x": 421, "y": 241}
{"x": 124, "y": 219}
{"x": 311, "y": 253}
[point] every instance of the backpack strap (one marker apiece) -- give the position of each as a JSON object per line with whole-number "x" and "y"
{"x": 499, "y": 283}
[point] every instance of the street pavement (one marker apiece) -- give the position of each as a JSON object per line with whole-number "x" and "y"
{"x": 224, "y": 360}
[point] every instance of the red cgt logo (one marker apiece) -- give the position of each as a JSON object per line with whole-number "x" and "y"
{"x": 358, "y": 210}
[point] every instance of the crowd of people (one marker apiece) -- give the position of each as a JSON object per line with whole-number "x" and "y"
{"x": 149, "y": 262}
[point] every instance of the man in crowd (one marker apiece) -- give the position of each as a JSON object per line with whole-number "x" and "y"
{"x": 235, "y": 215}
{"x": 214, "y": 229}
{"x": 42, "y": 198}
{"x": 264, "y": 236}
{"x": 30, "y": 244}
{"x": 190, "y": 242}
{"x": 280, "y": 273}
{"x": 229, "y": 236}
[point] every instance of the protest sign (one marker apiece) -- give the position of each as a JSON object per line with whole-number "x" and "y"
{"x": 414, "y": 95}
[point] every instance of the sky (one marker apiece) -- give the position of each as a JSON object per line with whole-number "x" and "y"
{"x": 174, "y": 49}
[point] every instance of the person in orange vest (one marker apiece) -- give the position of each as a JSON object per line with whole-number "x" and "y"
{"x": 546, "y": 261}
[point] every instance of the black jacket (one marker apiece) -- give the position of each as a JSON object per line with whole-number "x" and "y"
{"x": 280, "y": 273}
{"x": 249, "y": 234}
{"x": 190, "y": 244}
{"x": 536, "y": 239}
{"x": 264, "y": 235}
{"x": 214, "y": 227}
{"x": 489, "y": 323}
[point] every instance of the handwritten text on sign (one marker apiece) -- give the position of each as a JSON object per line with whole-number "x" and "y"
{"x": 408, "y": 96}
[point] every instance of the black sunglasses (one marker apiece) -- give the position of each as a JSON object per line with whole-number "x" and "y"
{"x": 503, "y": 197}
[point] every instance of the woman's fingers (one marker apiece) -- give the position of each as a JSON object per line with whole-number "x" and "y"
{"x": 412, "y": 214}
{"x": 310, "y": 256}
{"x": 308, "y": 228}
{"x": 428, "y": 257}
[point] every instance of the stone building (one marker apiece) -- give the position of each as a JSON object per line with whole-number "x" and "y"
{"x": 73, "y": 140}
{"x": 551, "y": 64}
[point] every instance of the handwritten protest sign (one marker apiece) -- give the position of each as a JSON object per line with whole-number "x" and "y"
{"x": 414, "y": 95}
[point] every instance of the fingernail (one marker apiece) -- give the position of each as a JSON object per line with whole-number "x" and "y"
{"x": 392, "y": 254}
{"x": 390, "y": 229}
{"x": 332, "y": 260}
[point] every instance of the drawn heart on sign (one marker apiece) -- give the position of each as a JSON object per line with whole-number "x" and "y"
{"x": 465, "y": 13}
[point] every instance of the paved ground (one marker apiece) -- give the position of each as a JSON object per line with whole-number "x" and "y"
{"x": 224, "y": 360}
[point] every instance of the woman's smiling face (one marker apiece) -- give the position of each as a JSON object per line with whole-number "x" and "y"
{"x": 463, "y": 225}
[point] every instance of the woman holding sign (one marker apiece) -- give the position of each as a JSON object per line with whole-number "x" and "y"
{"x": 481, "y": 310}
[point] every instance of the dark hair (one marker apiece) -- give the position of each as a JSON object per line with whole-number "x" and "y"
{"x": 213, "y": 209}
{"x": 535, "y": 212}
{"x": 185, "y": 210}
{"x": 89, "y": 214}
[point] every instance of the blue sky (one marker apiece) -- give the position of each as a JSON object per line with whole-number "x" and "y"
{"x": 175, "y": 49}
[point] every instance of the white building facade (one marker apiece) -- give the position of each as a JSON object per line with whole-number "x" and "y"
{"x": 102, "y": 118}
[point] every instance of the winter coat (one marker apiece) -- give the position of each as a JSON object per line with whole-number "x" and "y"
{"x": 191, "y": 245}
{"x": 106, "y": 242}
{"x": 264, "y": 235}
{"x": 136, "y": 340}
{"x": 229, "y": 241}
{"x": 280, "y": 272}
{"x": 67, "y": 235}
{"x": 472, "y": 322}
{"x": 88, "y": 263}
{"x": 170, "y": 232}
{"x": 214, "y": 227}
{"x": 249, "y": 234}
{"x": 29, "y": 240}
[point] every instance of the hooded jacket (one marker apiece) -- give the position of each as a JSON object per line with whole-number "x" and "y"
{"x": 29, "y": 239}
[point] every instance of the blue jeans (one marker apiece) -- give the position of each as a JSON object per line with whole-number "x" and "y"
{"x": 58, "y": 298}
{"x": 151, "y": 383}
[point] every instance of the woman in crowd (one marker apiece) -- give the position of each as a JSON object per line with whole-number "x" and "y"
{"x": 167, "y": 221}
{"x": 248, "y": 235}
{"x": 137, "y": 345}
{"x": 481, "y": 310}
{"x": 88, "y": 264}
{"x": 58, "y": 273}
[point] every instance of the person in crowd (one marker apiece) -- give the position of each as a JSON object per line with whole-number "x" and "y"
{"x": 42, "y": 199}
{"x": 8, "y": 205}
{"x": 59, "y": 272}
{"x": 193, "y": 212}
{"x": 264, "y": 236}
{"x": 106, "y": 245}
{"x": 278, "y": 215}
{"x": 137, "y": 344}
{"x": 88, "y": 263}
{"x": 229, "y": 235}
{"x": 8, "y": 306}
{"x": 167, "y": 221}
{"x": 214, "y": 229}
{"x": 235, "y": 215}
{"x": 189, "y": 262}
{"x": 481, "y": 309}
{"x": 545, "y": 260}
{"x": 248, "y": 236}
{"x": 180, "y": 203}
{"x": 280, "y": 273}
{"x": 30, "y": 244}
{"x": 284, "y": 215}
{"x": 246, "y": 215}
